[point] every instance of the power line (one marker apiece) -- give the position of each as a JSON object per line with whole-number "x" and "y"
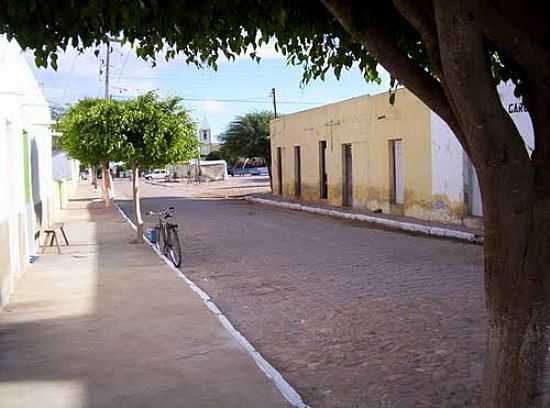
{"x": 239, "y": 100}
{"x": 123, "y": 66}
{"x": 71, "y": 78}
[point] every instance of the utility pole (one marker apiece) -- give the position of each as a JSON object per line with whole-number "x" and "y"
{"x": 108, "y": 42}
{"x": 274, "y": 102}
{"x": 107, "y": 67}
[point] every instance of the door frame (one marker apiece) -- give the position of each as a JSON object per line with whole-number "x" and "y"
{"x": 297, "y": 171}
{"x": 347, "y": 175}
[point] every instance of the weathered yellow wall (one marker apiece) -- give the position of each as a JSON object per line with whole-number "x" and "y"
{"x": 368, "y": 123}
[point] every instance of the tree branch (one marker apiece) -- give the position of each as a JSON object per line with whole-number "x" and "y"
{"x": 425, "y": 25}
{"x": 386, "y": 51}
{"x": 517, "y": 43}
{"x": 489, "y": 129}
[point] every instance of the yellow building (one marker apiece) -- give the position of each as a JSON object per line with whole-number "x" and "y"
{"x": 365, "y": 153}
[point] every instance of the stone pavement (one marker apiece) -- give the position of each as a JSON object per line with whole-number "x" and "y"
{"x": 351, "y": 314}
{"x": 408, "y": 224}
{"x": 108, "y": 324}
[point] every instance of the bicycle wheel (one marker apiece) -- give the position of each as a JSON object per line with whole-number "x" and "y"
{"x": 173, "y": 247}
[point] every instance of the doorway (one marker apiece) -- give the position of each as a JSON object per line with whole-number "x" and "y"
{"x": 472, "y": 194}
{"x": 297, "y": 171}
{"x": 397, "y": 185}
{"x": 280, "y": 170}
{"x": 347, "y": 176}
{"x": 323, "y": 179}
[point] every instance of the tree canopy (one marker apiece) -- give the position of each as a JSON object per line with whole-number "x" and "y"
{"x": 157, "y": 132}
{"x": 92, "y": 133}
{"x": 248, "y": 136}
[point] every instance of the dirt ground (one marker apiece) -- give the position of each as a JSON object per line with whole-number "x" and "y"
{"x": 352, "y": 315}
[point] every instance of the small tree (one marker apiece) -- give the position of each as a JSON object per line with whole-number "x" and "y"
{"x": 248, "y": 136}
{"x": 214, "y": 155}
{"x": 156, "y": 133}
{"x": 91, "y": 134}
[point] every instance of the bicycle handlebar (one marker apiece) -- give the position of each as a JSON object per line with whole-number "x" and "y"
{"x": 167, "y": 211}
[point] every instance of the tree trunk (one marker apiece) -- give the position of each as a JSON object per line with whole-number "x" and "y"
{"x": 107, "y": 185}
{"x": 137, "y": 203}
{"x": 516, "y": 219}
{"x": 518, "y": 303}
{"x": 93, "y": 174}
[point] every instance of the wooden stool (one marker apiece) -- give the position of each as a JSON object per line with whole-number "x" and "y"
{"x": 52, "y": 230}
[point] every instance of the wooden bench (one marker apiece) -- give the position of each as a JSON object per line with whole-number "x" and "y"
{"x": 52, "y": 231}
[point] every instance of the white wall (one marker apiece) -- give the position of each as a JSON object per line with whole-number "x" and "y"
{"x": 22, "y": 108}
{"x": 447, "y": 154}
{"x": 448, "y": 164}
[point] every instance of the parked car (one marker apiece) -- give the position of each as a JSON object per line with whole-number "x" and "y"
{"x": 157, "y": 174}
{"x": 258, "y": 171}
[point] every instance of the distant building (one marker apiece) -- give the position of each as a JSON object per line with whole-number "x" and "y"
{"x": 205, "y": 139}
{"x": 367, "y": 154}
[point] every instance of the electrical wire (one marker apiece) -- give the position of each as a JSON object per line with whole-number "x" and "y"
{"x": 123, "y": 66}
{"x": 71, "y": 80}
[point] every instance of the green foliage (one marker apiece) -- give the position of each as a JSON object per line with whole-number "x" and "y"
{"x": 91, "y": 131}
{"x": 227, "y": 155}
{"x": 157, "y": 132}
{"x": 204, "y": 31}
{"x": 214, "y": 155}
{"x": 144, "y": 131}
{"x": 201, "y": 31}
{"x": 248, "y": 136}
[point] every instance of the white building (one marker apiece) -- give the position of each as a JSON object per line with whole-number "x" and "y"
{"x": 26, "y": 186}
{"x": 205, "y": 139}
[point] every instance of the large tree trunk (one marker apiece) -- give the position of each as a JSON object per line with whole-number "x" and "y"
{"x": 137, "y": 203}
{"x": 516, "y": 219}
{"x": 516, "y": 240}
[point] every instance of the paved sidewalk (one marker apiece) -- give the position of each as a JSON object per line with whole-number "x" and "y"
{"x": 108, "y": 324}
{"x": 414, "y": 225}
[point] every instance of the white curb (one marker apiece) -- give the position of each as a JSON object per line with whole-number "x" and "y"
{"x": 401, "y": 225}
{"x": 289, "y": 393}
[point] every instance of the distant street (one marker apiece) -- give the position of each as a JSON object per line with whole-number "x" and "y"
{"x": 353, "y": 316}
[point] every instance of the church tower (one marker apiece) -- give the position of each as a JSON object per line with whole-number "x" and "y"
{"x": 205, "y": 137}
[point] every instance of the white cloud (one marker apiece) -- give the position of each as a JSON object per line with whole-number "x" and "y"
{"x": 78, "y": 74}
{"x": 213, "y": 106}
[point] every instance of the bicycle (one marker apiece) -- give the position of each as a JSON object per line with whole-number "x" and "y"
{"x": 167, "y": 241}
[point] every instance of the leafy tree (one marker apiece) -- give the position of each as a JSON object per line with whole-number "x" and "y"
{"x": 228, "y": 155}
{"x": 91, "y": 133}
{"x": 248, "y": 137}
{"x": 156, "y": 133}
{"x": 214, "y": 155}
{"x": 451, "y": 54}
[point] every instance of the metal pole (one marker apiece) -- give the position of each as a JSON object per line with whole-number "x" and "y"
{"x": 274, "y": 102}
{"x": 108, "y": 63}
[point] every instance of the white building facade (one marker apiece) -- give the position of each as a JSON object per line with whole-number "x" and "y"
{"x": 454, "y": 175}
{"x": 26, "y": 186}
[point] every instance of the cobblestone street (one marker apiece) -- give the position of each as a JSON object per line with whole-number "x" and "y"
{"x": 352, "y": 316}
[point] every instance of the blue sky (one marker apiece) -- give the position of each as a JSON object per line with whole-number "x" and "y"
{"x": 216, "y": 95}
